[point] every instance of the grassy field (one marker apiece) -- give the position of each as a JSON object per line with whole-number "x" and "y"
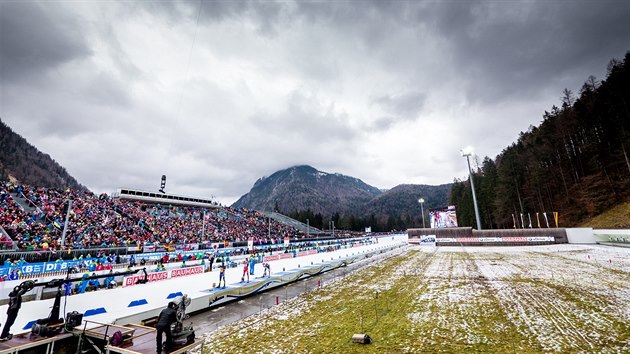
{"x": 615, "y": 218}
{"x": 565, "y": 299}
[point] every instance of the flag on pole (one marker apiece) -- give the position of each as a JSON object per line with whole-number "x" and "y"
{"x": 57, "y": 224}
{"x": 514, "y": 220}
{"x": 555, "y": 216}
{"x": 522, "y": 221}
{"x": 538, "y": 220}
{"x": 546, "y": 220}
{"x": 529, "y": 216}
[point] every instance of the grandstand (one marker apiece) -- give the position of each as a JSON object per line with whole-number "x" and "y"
{"x": 33, "y": 219}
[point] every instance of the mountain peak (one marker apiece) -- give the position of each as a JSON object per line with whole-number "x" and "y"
{"x": 303, "y": 168}
{"x": 304, "y": 187}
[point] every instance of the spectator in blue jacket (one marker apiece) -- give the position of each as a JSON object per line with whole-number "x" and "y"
{"x": 252, "y": 262}
{"x": 93, "y": 283}
{"x": 82, "y": 285}
{"x": 110, "y": 282}
{"x": 67, "y": 289}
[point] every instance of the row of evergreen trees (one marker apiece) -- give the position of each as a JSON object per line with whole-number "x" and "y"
{"x": 576, "y": 163}
{"x": 355, "y": 223}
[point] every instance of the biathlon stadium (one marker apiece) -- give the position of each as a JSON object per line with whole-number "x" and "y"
{"x": 94, "y": 272}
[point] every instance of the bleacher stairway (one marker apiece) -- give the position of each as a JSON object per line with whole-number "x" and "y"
{"x": 6, "y": 240}
{"x": 300, "y": 226}
{"x": 29, "y": 208}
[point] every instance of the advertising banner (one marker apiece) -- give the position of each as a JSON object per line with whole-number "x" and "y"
{"x": 541, "y": 239}
{"x": 182, "y": 272}
{"x": 271, "y": 258}
{"x": 37, "y": 268}
{"x": 496, "y": 239}
{"x": 187, "y": 247}
{"x": 128, "y": 281}
{"x": 150, "y": 249}
{"x": 173, "y": 273}
{"x": 427, "y": 238}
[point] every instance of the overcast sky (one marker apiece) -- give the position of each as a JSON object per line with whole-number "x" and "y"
{"x": 216, "y": 94}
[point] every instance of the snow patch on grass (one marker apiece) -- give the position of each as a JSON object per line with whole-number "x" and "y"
{"x": 559, "y": 298}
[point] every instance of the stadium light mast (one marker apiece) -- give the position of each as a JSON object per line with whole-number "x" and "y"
{"x": 468, "y": 152}
{"x": 65, "y": 224}
{"x": 162, "y": 184}
{"x": 203, "y": 225}
{"x": 421, "y": 201}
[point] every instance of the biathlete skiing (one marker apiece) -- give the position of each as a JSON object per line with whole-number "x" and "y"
{"x": 245, "y": 270}
{"x": 221, "y": 275}
{"x": 267, "y": 269}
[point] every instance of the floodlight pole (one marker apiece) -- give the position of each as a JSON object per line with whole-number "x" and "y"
{"x": 65, "y": 224}
{"x": 421, "y": 201}
{"x": 203, "y": 225}
{"x": 472, "y": 186}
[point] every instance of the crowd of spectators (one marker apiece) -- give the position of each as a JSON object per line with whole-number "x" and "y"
{"x": 103, "y": 222}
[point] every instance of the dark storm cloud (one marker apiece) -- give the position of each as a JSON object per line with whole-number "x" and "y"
{"x": 513, "y": 48}
{"x": 264, "y": 13}
{"x": 352, "y": 13}
{"x": 307, "y": 118}
{"x": 269, "y": 15}
{"x": 35, "y": 39}
{"x": 66, "y": 104}
{"x": 371, "y": 24}
{"x": 190, "y": 9}
{"x": 407, "y": 106}
{"x": 499, "y": 49}
{"x": 103, "y": 88}
{"x": 381, "y": 124}
{"x": 51, "y": 84}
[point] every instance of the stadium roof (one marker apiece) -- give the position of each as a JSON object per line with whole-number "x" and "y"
{"x": 164, "y": 198}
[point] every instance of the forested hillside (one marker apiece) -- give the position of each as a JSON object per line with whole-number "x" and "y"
{"x": 304, "y": 193}
{"x": 576, "y": 162}
{"x": 395, "y": 209}
{"x": 26, "y": 164}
